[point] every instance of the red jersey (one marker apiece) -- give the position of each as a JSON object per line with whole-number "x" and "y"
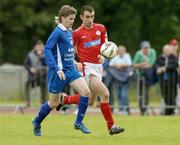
{"x": 88, "y": 42}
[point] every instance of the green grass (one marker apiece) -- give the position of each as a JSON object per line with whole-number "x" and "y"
{"x": 58, "y": 130}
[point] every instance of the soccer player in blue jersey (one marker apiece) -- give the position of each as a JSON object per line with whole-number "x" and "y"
{"x": 59, "y": 56}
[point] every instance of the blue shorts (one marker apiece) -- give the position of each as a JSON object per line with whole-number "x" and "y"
{"x": 55, "y": 85}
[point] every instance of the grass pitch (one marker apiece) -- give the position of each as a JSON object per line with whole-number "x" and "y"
{"x": 58, "y": 130}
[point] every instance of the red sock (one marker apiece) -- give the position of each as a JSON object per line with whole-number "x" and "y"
{"x": 72, "y": 99}
{"x": 106, "y": 111}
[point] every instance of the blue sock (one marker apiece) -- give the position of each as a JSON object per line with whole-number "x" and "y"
{"x": 83, "y": 104}
{"x": 44, "y": 111}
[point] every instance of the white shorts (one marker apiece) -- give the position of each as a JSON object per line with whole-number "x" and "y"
{"x": 92, "y": 69}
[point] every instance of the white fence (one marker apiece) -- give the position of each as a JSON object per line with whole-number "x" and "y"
{"x": 12, "y": 80}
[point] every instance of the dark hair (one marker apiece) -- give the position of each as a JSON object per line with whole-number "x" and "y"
{"x": 65, "y": 11}
{"x": 86, "y": 8}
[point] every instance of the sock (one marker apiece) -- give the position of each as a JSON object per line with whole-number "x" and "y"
{"x": 82, "y": 107}
{"x": 44, "y": 111}
{"x": 106, "y": 111}
{"x": 75, "y": 99}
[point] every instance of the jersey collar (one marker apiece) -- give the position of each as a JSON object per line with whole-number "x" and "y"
{"x": 63, "y": 27}
{"x": 88, "y": 28}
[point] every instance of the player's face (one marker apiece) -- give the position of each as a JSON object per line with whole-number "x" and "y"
{"x": 68, "y": 21}
{"x": 87, "y": 19}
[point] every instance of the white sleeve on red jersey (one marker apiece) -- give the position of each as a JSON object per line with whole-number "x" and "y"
{"x": 104, "y": 37}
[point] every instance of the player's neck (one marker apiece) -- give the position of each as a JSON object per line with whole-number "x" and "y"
{"x": 87, "y": 26}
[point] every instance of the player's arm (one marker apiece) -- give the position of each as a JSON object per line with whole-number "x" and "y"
{"x": 51, "y": 42}
{"x": 77, "y": 64}
{"x": 75, "y": 43}
{"x": 101, "y": 59}
{"x": 104, "y": 39}
{"x": 104, "y": 36}
{"x": 51, "y": 63}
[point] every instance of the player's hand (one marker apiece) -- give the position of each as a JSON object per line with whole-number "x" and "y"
{"x": 101, "y": 59}
{"x": 79, "y": 67}
{"x": 61, "y": 75}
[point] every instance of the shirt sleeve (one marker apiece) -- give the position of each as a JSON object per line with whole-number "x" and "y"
{"x": 104, "y": 37}
{"x": 50, "y": 44}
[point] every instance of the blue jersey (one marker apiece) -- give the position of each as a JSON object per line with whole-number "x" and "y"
{"x": 59, "y": 51}
{"x": 59, "y": 55}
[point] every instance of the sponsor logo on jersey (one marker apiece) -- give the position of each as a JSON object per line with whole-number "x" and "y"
{"x": 71, "y": 41}
{"x": 71, "y": 49}
{"x": 92, "y": 43}
{"x": 83, "y": 37}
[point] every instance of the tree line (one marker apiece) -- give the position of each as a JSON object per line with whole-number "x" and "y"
{"x": 128, "y": 22}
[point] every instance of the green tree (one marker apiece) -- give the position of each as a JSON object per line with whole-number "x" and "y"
{"x": 128, "y": 22}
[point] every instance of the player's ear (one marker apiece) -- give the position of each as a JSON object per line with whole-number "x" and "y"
{"x": 63, "y": 18}
{"x": 81, "y": 17}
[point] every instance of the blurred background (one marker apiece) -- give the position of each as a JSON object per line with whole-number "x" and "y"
{"x": 128, "y": 22}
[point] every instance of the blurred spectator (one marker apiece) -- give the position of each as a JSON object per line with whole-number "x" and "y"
{"x": 143, "y": 61}
{"x": 121, "y": 72}
{"x": 166, "y": 66}
{"x": 36, "y": 68}
{"x": 175, "y": 48}
{"x": 174, "y": 45}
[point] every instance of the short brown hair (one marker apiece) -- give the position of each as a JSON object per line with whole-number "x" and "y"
{"x": 65, "y": 11}
{"x": 87, "y": 8}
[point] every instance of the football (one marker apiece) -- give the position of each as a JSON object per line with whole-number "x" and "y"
{"x": 109, "y": 49}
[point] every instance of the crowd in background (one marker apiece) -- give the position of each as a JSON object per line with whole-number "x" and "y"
{"x": 149, "y": 69}
{"x": 145, "y": 66}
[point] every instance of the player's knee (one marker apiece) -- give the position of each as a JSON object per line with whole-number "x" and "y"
{"x": 86, "y": 92}
{"x": 105, "y": 97}
{"x": 53, "y": 102}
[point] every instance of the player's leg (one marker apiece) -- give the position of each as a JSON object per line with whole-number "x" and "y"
{"x": 43, "y": 112}
{"x": 67, "y": 99}
{"x": 71, "y": 99}
{"x": 74, "y": 99}
{"x": 92, "y": 98}
{"x": 80, "y": 86}
{"x": 43, "y": 91}
{"x": 97, "y": 86}
{"x": 55, "y": 86}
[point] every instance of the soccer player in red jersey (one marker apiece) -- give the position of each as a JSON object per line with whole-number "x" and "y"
{"x": 88, "y": 39}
